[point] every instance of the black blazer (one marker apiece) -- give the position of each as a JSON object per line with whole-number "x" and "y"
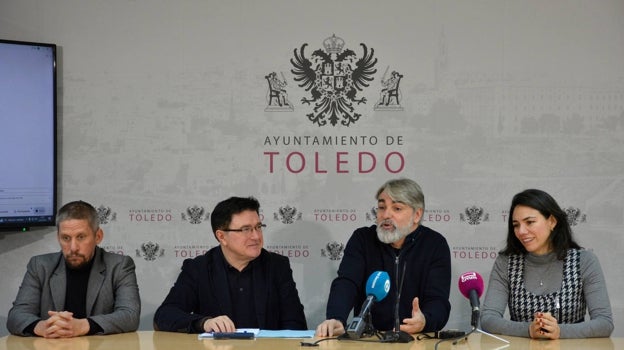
{"x": 201, "y": 290}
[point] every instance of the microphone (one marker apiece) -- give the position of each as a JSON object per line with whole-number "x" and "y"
{"x": 377, "y": 287}
{"x": 397, "y": 335}
{"x": 471, "y": 286}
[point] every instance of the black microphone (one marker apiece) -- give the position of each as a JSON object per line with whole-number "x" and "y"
{"x": 397, "y": 335}
{"x": 377, "y": 287}
{"x": 471, "y": 286}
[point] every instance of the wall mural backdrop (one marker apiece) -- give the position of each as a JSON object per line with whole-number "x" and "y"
{"x": 166, "y": 108}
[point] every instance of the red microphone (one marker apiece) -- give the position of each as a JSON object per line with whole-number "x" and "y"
{"x": 471, "y": 286}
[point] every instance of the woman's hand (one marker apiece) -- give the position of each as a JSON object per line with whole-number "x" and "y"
{"x": 544, "y": 326}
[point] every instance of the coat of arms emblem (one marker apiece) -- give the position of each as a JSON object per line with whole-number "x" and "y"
{"x": 105, "y": 214}
{"x": 287, "y": 215}
{"x": 195, "y": 215}
{"x": 334, "y": 75}
{"x": 474, "y": 215}
{"x": 334, "y": 250}
{"x": 575, "y": 216}
{"x": 150, "y": 251}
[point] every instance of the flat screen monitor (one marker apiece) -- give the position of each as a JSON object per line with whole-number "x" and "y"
{"x": 27, "y": 135}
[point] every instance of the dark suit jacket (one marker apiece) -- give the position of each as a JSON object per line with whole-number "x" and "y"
{"x": 201, "y": 290}
{"x": 113, "y": 300}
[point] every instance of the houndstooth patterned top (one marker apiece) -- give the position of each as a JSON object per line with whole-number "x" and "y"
{"x": 567, "y": 304}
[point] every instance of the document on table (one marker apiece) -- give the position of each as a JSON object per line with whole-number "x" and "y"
{"x": 255, "y": 331}
{"x": 264, "y": 333}
{"x": 286, "y": 334}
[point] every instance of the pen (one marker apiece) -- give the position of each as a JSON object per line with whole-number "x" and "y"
{"x": 557, "y": 309}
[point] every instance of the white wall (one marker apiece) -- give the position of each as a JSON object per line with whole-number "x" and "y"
{"x": 162, "y": 106}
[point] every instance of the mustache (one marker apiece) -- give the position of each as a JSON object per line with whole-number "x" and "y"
{"x": 387, "y": 222}
{"x": 74, "y": 256}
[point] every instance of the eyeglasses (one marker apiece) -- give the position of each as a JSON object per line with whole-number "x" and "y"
{"x": 247, "y": 229}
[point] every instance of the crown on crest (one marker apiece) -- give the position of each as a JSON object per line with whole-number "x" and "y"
{"x": 333, "y": 44}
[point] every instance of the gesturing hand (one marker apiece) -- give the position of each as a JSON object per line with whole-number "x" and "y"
{"x": 417, "y": 322}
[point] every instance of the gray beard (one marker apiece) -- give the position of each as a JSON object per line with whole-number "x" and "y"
{"x": 391, "y": 236}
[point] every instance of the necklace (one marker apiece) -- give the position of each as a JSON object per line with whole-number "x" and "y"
{"x": 545, "y": 273}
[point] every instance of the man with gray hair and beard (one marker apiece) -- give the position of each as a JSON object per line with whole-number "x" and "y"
{"x": 417, "y": 258}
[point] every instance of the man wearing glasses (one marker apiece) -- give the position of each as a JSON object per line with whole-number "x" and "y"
{"x": 237, "y": 284}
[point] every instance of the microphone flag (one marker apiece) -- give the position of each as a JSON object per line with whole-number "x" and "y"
{"x": 471, "y": 286}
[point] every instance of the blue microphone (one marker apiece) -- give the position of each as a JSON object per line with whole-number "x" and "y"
{"x": 377, "y": 288}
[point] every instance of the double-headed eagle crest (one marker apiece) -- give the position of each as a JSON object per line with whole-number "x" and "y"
{"x": 575, "y": 216}
{"x": 105, "y": 214}
{"x": 287, "y": 214}
{"x": 474, "y": 215}
{"x": 150, "y": 251}
{"x": 195, "y": 214}
{"x": 334, "y": 250}
{"x": 333, "y": 76}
